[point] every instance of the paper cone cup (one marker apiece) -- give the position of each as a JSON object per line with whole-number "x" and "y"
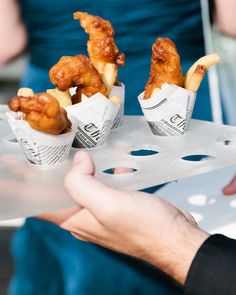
{"x": 170, "y": 111}
{"x": 120, "y": 92}
{"x": 41, "y": 148}
{"x": 95, "y": 116}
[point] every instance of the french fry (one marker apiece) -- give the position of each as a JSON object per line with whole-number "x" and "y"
{"x": 155, "y": 91}
{"x": 196, "y": 78}
{"x": 115, "y": 99}
{"x": 63, "y": 97}
{"x": 109, "y": 75}
{"x": 25, "y": 92}
{"x": 206, "y": 61}
{"x": 100, "y": 66}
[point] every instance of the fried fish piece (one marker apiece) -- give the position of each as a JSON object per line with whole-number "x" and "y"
{"x": 102, "y": 48}
{"x": 72, "y": 71}
{"x": 165, "y": 66}
{"x": 43, "y": 113}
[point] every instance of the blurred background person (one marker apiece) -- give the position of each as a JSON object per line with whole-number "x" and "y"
{"x": 49, "y": 260}
{"x": 224, "y": 41}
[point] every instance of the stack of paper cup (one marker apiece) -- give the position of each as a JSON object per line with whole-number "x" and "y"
{"x": 169, "y": 112}
{"x": 95, "y": 116}
{"x": 41, "y": 148}
{"x": 119, "y": 91}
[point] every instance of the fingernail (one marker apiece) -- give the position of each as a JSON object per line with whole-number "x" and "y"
{"x": 78, "y": 157}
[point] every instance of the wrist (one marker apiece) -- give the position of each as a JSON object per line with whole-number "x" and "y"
{"x": 187, "y": 247}
{"x": 179, "y": 251}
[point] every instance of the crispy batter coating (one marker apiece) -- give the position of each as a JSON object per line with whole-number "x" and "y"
{"x": 165, "y": 66}
{"x": 72, "y": 71}
{"x": 101, "y": 45}
{"x": 42, "y": 112}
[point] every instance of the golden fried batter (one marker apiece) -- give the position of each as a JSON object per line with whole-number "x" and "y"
{"x": 101, "y": 45}
{"x": 42, "y": 112}
{"x": 72, "y": 71}
{"x": 165, "y": 66}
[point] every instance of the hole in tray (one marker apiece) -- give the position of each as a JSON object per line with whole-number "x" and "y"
{"x": 14, "y": 140}
{"x": 197, "y": 158}
{"x": 119, "y": 167}
{"x": 11, "y": 139}
{"x": 2, "y": 116}
{"x": 233, "y": 203}
{"x": 197, "y": 216}
{"x": 198, "y": 200}
{"x": 227, "y": 142}
{"x": 119, "y": 170}
{"x": 143, "y": 152}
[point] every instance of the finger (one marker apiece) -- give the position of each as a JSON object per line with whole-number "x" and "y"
{"x": 85, "y": 189}
{"x": 122, "y": 170}
{"x": 230, "y": 188}
{"x": 84, "y": 163}
{"x": 58, "y": 217}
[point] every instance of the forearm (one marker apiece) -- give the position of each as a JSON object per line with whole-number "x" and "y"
{"x": 225, "y": 16}
{"x": 12, "y": 31}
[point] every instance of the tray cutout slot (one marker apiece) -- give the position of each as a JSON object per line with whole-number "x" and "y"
{"x": 120, "y": 168}
{"x": 11, "y": 140}
{"x": 2, "y": 116}
{"x": 143, "y": 151}
{"x": 197, "y": 157}
{"x": 227, "y": 141}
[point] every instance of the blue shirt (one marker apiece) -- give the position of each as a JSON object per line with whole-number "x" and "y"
{"x": 53, "y": 33}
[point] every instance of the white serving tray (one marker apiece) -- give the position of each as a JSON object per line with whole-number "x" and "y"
{"x": 26, "y": 190}
{"x": 202, "y": 196}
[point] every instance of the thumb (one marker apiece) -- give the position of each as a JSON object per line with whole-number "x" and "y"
{"x": 230, "y": 188}
{"x": 82, "y": 186}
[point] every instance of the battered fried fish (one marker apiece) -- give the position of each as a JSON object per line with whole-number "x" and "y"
{"x": 102, "y": 48}
{"x": 72, "y": 71}
{"x": 42, "y": 112}
{"x": 101, "y": 45}
{"x": 165, "y": 66}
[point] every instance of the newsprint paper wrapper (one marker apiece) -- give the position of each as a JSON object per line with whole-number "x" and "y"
{"x": 170, "y": 111}
{"x": 120, "y": 92}
{"x": 41, "y": 148}
{"x": 95, "y": 116}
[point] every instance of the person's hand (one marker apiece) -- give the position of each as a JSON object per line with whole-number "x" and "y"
{"x": 135, "y": 223}
{"x": 230, "y": 189}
